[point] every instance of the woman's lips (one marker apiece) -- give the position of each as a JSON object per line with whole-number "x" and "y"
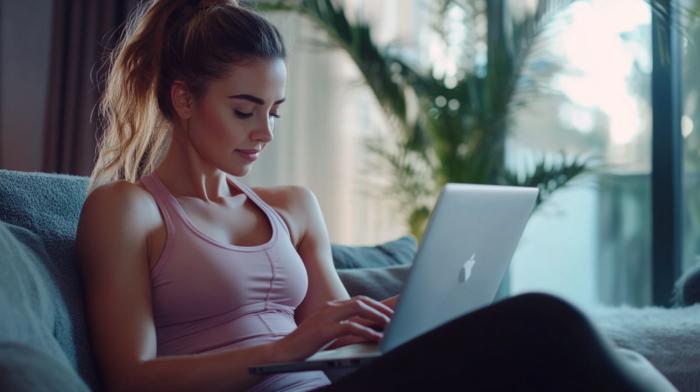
{"x": 248, "y": 155}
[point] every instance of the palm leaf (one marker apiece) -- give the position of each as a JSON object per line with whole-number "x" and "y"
{"x": 548, "y": 177}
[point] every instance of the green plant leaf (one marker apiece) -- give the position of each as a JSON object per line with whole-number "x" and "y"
{"x": 548, "y": 176}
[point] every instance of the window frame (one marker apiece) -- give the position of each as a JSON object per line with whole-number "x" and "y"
{"x": 667, "y": 152}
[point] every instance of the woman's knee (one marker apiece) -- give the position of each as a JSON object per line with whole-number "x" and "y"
{"x": 542, "y": 307}
{"x": 541, "y": 301}
{"x": 532, "y": 316}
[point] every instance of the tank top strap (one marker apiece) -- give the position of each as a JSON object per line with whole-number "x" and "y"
{"x": 271, "y": 211}
{"x": 162, "y": 197}
{"x": 161, "y": 194}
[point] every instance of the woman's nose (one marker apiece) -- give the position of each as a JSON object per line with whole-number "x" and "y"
{"x": 264, "y": 131}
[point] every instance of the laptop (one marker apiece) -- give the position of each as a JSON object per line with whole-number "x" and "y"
{"x": 470, "y": 239}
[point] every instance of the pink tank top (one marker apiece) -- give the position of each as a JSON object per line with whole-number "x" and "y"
{"x": 210, "y": 296}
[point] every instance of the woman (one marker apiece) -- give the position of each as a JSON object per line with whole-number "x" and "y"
{"x": 191, "y": 277}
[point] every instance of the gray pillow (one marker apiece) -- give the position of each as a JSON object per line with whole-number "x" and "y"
{"x": 376, "y": 283}
{"x": 31, "y": 306}
{"x": 397, "y": 252}
{"x": 25, "y": 369}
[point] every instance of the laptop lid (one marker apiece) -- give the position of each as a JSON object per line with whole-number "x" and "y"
{"x": 470, "y": 239}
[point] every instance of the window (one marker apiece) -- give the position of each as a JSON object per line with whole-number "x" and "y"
{"x": 591, "y": 243}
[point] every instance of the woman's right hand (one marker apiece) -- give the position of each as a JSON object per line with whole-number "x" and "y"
{"x": 333, "y": 320}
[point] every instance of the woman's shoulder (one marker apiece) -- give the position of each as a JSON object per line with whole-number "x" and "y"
{"x": 120, "y": 202}
{"x": 295, "y": 204}
{"x": 287, "y": 197}
{"x": 119, "y": 194}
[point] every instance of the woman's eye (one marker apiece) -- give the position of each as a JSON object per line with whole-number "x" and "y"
{"x": 243, "y": 115}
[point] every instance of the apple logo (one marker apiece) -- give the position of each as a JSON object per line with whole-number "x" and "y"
{"x": 466, "y": 271}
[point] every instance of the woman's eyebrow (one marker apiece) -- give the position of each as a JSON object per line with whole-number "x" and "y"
{"x": 257, "y": 100}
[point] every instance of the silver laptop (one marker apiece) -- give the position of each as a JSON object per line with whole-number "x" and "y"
{"x": 468, "y": 244}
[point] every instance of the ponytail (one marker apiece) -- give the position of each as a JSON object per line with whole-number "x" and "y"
{"x": 168, "y": 40}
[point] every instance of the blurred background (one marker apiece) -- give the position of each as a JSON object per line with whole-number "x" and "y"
{"x": 387, "y": 100}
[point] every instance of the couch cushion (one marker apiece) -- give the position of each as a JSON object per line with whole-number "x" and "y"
{"x": 376, "y": 283}
{"x": 49, "y": 205}
{"x": 378, "y": 272}
{"x": 397, "y": 252}
{"x": 25, "y": 369}
{"x": 30, "y": 304}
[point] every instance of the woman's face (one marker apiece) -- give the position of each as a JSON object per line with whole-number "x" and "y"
{"x": 234, "y": 120}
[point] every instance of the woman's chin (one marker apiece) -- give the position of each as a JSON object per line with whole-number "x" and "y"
{"x": 240, "y": 171}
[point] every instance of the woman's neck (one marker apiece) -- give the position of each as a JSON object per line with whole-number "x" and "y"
{"x": 186, "y": 173}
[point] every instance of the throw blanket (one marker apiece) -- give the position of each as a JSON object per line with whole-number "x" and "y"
{"x": 668, "y": 338}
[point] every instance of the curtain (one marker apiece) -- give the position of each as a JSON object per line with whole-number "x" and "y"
{"x": 83, "y": 32}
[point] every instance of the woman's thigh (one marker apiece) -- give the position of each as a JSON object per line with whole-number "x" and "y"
{"x": 532, "y": 342}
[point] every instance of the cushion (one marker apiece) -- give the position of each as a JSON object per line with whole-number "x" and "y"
{"x": 378, "y": 272}
{"x": 397, "y": 252}
{"x": 31, "y": 306}
{"x": 376, "y": 283}
{"x": 25, "y": 369}
{"x": 48, "y": 205}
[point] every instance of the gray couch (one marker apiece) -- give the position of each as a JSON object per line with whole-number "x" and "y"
{"x": 44, "y": 342}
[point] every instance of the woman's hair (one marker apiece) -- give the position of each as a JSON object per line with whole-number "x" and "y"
{"x": 194, "y": 41}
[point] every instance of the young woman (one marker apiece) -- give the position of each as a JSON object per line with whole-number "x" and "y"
{"x": 190, "y": 276}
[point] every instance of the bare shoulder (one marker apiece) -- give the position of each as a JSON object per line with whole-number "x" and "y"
{"x": 120, "y": 199}
{"x": 116, "y": 213}
{"x": 288, "y": 197}
{"x": 118, "y": 190}
{"x": 296, "y": 204}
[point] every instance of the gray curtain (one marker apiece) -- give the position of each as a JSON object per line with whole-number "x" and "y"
{"x": 83, "y": 32}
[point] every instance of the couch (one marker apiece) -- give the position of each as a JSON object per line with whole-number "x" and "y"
{"x": 44, "y": 342}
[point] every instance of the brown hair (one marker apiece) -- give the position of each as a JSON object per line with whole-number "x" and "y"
{"x": 195, "y": 41}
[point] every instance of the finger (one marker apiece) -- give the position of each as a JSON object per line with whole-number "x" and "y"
{"x": 367, "y": 323}
{"x": 376, "y": 305}
{"x": 358, "y": 308}
{"x": 387, "y": 311}
{"x": 355, "y": 329}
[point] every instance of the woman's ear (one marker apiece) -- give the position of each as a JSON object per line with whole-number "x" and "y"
{"x": 182, "y": 99}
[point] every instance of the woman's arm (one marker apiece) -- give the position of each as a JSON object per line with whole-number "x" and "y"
{"x": 302, "y": 213}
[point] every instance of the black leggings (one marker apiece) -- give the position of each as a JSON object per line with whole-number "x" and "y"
{"x": 532, "y": 342}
